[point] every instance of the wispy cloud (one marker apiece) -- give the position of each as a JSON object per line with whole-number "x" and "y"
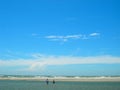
{"x": 40, "y": 61}
{"x": 94, "y": 34}
{"x": 71, "y": 37}
{"x": 63, "y": 38}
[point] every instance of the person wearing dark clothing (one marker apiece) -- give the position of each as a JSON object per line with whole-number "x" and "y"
{"x": 47, "y": 81}
{"x": 53, "y": 81}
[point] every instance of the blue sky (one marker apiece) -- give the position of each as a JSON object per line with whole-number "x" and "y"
{"x": 60, "y": 37}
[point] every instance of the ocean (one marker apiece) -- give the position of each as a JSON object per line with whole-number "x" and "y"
{"x": 59, "y": 85}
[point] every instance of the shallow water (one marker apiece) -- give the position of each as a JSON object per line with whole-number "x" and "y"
{"x": 39, "y": 85}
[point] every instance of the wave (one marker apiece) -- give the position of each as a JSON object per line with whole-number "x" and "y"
{"x": 57, "y": 77}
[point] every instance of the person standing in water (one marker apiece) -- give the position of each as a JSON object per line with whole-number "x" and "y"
{"x": 47, "y": 81}
{"x": 53, "y": 81}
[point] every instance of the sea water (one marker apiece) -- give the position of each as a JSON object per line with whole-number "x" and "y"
{"x": 59, "y": 85}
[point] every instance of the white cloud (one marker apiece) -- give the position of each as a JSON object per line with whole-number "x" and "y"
{"x": 71, "y": 37}
{"x": 63, "y": 38}
{"x": 95, "y": 34}
{"x": 43, "y": 61}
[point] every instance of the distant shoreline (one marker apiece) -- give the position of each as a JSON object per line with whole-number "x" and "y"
{"x": 77, "y": 79}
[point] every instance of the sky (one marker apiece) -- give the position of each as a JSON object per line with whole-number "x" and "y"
{"x": 60, "y": 37}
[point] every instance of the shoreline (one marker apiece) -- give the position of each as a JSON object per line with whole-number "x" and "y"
{"x": 80, "y": 79}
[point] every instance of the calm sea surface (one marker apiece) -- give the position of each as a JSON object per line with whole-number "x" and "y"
{"x": 39, "y": 85}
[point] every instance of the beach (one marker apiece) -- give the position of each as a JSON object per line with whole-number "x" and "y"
{"x": 61, "y": 83}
